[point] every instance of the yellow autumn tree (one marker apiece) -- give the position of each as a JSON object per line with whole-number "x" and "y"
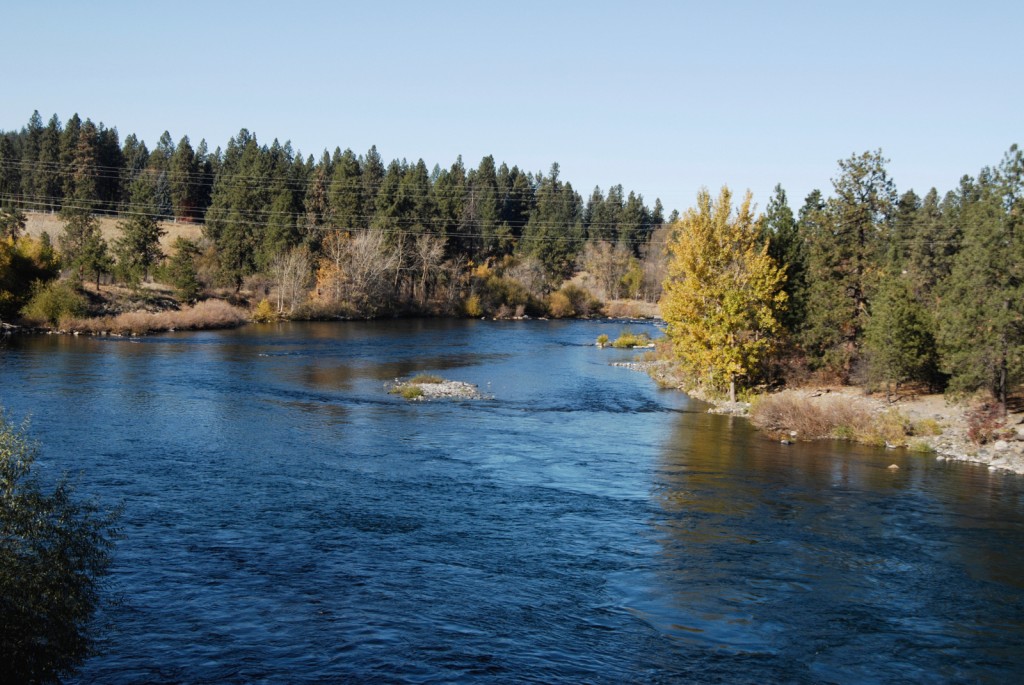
{"x": 723, "y": 292}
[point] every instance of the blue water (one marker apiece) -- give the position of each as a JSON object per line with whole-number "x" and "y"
{"x": 286, "y": 520}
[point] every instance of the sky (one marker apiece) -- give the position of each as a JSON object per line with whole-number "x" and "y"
{"x": 661, "y": 97}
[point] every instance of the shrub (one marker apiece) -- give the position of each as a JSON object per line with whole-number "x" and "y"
{"x": 426, "y": 378}
{"x": 927, "y": 427}
{"x": 920, "y": 447}
{"x": 629, "y": 340}
{"x": 472, "y": 306}
{"x": 264, "y": 312}
{"x": 583, "y": 303}
{"x": 811, "y": 418}
{"x": 407, "y": 391}
{"x": 559, "y": 305}
{"x": 54, "y": 302}
{"x": 891, "y": 427}
{"x": 54, "y": 553}
{"x": 985, "y": 423}
{"x": 205, "y": 315}
{"x": 602, "y": 340}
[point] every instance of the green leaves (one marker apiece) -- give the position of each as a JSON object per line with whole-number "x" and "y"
{"x": 55, "y": 551}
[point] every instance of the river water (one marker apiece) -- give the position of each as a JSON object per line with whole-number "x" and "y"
{"x": 286, "y": 520}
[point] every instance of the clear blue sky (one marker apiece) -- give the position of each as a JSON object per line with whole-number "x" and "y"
{"x": 662, "y": 97}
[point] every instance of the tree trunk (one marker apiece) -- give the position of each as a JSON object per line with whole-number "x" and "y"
{"x": 732, "y": 389}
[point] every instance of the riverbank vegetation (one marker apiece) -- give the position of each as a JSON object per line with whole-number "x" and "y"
{"x": 55, "y": 551}
{"x": 339, "y": 236}
{"x": 860, "y": 285}
{"x": 866, "y": 286}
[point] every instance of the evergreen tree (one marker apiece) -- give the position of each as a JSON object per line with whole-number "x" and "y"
{"x": 82, "y": 246}
{"x": 899, "y": 338}
{"x": 138, "y": 248}
{"x": 12, "y": 222}
{"x": 723, "y": 293}
{"x": 109, "y": 164}
{"x": 316, "y": 205}
{"x": 10, "y": 172}
{"x": 786, "y": 246}
{"x": 32, "y": 140}
{"x": 905, "y": 217}
{"x": 239, "y": 208}
{"x": 49, "y": 187}
{"x": 180, "y": 270}
{"x": 66, "y": 167}
{"x": 934, "y": 243}
{"x": 845, "y": 242}
{"x": 981, "y": 331}
{"x": 450, "y": 198}
{"x": 160, "y": 162}
{"x": 182, "y": 173}
{"x": 346, "y": 208}
{"x": 372, "y": 175}
{"x": 554, "y": 233}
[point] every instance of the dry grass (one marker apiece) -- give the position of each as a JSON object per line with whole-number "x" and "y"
{"x": 38, "y": 222}
{"x": 205, "y": 315}
{"x": 631, "y": 309}
{"x": 810, "y": 419}
{"x": 839, "y": 416}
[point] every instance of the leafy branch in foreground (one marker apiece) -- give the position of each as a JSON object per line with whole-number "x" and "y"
{"x": 55, "y": 551}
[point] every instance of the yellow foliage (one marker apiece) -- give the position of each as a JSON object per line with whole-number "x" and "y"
{"x": 559, "y": 305}
{"x": 264, "y": 312}
{"x": 473, "y": 307}
{"x": 723, "y": 291}
{"x": 482, "y": 271}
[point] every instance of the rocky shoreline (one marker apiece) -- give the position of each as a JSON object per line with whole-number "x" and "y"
{"x": 951, "y": 444}
{"x": 415, "y": 391}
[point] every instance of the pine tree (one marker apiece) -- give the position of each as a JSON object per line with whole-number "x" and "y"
{"x": 981, "y": 332}
{"x": 49, "y": 186}
{"x": 10, "y": 172}
{"x": 182, "y": 172}
{"x": 180, "y": 270}
{"x": 554, "y": 233}
{"x": 82, "y": 246}
{"x": 787, "y": 247}
{"x": 138, "y": 248}
{"x": 723, "y": 293}
{"x": 845, "y": 255}
{"x": 32, "y": 136}
{"x": 899, "y": 338}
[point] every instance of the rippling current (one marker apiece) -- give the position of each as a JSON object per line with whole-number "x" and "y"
{"x": 286, "y": 520}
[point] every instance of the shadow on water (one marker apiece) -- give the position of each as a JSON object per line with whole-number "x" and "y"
{"x": 815, "y": 561}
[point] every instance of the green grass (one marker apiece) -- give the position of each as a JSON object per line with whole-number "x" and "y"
{"x": 408, "y": 391}
{"x": 420, "y": 379}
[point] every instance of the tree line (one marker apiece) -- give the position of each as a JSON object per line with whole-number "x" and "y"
{"x": 258, "y": 202}
{"x": 864, "y": 285}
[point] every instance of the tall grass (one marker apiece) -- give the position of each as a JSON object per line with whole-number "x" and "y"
{"x": 204, "y": 315}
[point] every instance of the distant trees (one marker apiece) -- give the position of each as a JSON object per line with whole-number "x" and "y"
{"x": 723, "y": 293}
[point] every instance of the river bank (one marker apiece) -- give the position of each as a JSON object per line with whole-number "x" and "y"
{"x": 925, "y": 423}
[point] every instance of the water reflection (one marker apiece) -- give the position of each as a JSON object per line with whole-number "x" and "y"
{"x": 824, "y": 559}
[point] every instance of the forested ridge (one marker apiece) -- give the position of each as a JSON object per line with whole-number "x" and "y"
{"x": 862, "y": 284}
{"x": 259, "y": 200}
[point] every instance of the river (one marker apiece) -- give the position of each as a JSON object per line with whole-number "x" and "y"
{"x": 287, "y": 520}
